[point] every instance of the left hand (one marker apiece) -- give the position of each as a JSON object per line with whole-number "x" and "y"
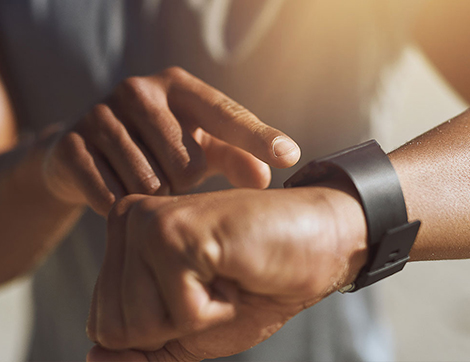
{"x": 160, "y": 134}
{"x": 192, "y": 277}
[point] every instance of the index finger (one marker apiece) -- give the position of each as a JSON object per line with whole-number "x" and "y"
{"x": 227, "y": 120}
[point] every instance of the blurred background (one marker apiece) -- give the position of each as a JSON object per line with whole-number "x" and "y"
{"x": 427, "y": 305}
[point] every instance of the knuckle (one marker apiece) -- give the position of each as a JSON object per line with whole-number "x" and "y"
{"x": 99, "y": 111}
{"x": 132, "y": 87}
{"x": 103, "y": 125}
{"x": 153, "y": 219}
{"x": 163, "y": 221}
{"x": 141, "y": 95}
{"x": 139, "y": 209}
{"x": 235, "y": 110}
{"x": 166, "y": 221}
{"x": 112, "y": 337}
{"x": 263, "y": 134}
{"x": 72, "y": 151}
{"x": 175, "y": 73}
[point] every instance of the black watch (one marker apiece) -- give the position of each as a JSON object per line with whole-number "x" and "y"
{"x": 389, "y": 234}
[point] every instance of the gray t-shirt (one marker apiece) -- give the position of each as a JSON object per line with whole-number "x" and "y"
{"x": 307, "y": 67}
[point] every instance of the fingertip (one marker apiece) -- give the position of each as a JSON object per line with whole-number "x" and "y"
{"x": 250, "y": 171}
{"x": 101, "y": 208}
{"x": 286, "y": 152}
{"x": 264, "y": 177}
{"x": 256, "y": 178}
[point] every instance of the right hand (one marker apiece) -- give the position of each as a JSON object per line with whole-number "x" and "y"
{"x": 162, "y": 134}
{"x": 187, "y": 278}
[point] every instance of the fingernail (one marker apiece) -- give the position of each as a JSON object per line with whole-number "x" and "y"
{"x": 283, "y": 146}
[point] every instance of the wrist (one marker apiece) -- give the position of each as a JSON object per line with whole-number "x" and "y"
{"x": 389, "y": 234}
{"x": 336, "y": 208}
{"x": 351, "y": 227}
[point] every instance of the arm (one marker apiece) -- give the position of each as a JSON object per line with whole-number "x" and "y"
{"x": 223, "y": 258}
{"x": 434, "y": 170}
{"x": 31, "y": 219}
{"x": 153, "y": 135}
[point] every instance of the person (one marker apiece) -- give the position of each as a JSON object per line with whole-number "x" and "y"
{"x": 145, "y": 137}
{"x": 241, "y": 281}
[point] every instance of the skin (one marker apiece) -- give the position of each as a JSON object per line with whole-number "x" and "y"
{"x": 46, "y": 183}
{"x": 158, "y": 135}
{"x": 153, "y": 135}
{"x": 207, "y": 279}
{"x": 206, "y": 276}
{"x": 433, "y": 172}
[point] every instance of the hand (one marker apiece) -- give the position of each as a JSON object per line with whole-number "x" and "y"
{"x": 162, "y": 134}
{"x": 202, "y": 276}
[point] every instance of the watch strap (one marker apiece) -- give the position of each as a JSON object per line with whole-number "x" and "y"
{"x": 389, "y": 234}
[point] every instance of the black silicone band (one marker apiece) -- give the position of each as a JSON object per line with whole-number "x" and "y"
{"x": 389, "y": 235}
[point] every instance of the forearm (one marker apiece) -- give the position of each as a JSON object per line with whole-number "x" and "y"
{"x": 434, "y": 171}
{"x": 32, "y": 221}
